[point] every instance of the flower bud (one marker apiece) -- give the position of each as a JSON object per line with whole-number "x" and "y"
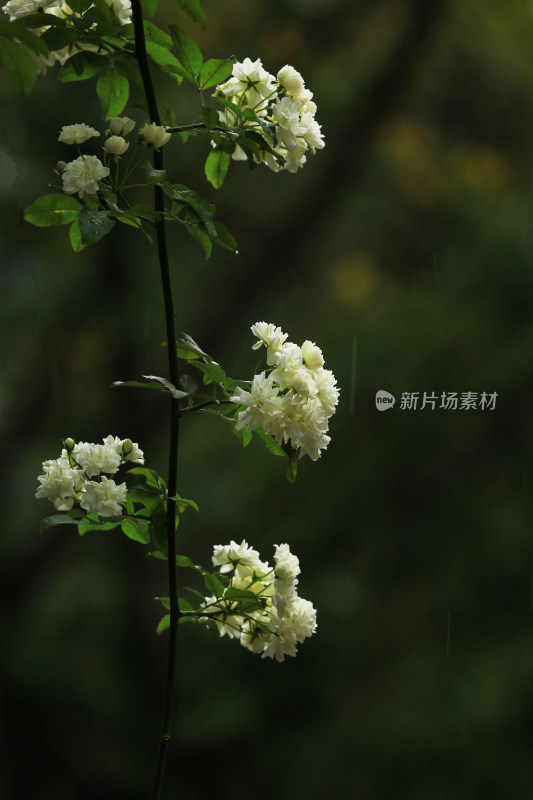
{"x": 60, "y": 166}
{"x": 121, "y": 126}
{"x": 116, "y": 145}
{"x": 69, "y": 444}
{"x": 312, "y": 355}
{"x": 127, "y": 447}
{"x": 155, "y": 135}
{"x": 291, "y": 80}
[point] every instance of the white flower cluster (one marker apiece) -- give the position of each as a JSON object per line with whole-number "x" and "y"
{"x": 282, "y": 100}
{"x": 82, "y": 174}
{"x": 293, "y": 401}
{"x": 67, "y": 479}
{"x": 22, "y": 8}
{"x": 283, "y": 620}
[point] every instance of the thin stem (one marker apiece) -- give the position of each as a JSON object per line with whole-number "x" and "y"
{"x": 140, "y": 51}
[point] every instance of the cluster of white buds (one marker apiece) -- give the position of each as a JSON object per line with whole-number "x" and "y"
{"x": 69, "y": 479}
{"x": 294, "y": 399}
{"x": 279, "y": 619}
{"x": 284, "y": 102}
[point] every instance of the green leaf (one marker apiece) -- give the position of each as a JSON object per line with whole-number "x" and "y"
{"x": 94, "y": 225}
{"x": 150, "y": 475}
{"x": 113, "y": 91}
{"x": 13, "y": 30}
{"x": 292, "y": 469}
{"x": 188, "y": 346}
{"x": 146, "y": 212}
{"x": 52, "y": 209}
{"x": 244, "y": 435}
{"x": 155, "y": 34}
{"x": 163, "y": 625}
{"x": 136, "y": 529}
{"x": 183, "y": 504}
{"x": 81, "y": 66}
{"x": 165, "y": 59}
{"x": 209, "y": 117}
{"x": 94, "y": 524}
{"x": 185, "y": 605}
{"x": 158, "y": 534}
{"x": 19, "y": 64}
{"x": 198, "y": 231}
{"x": 40, "y": 20}
{"x": 149, "y": 6}
{"x": 188, "y": 52}
{"x": 79, "y": 6}
{"x": 185, "y": 561}
{"x": 75, "y": 237}
{"x": 58, "y": 38}
{"x": 194, "y": 9}
{"x": 224, "y": 237}
{"x": 215, "y": 71}
{"x": 154, "y": 175}
{"x": 270, "y": 442}
{"x": 155, "y": 383}
{"x": 216, "y": 167}
{"x": 203, "y": 209}
{"x": 214, "y": 584}
{"x": 56, "y": 519}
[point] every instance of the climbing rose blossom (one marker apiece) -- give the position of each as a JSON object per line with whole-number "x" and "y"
{"x": 103, "y": 497}
{"x": 83, "y": 174}
{"x": 76, "y": 134}
{"x": 280, "y": 620}
{"x": 295, "y": 400}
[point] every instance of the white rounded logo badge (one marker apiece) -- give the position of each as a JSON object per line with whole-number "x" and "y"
{"x": 384, "y": 400}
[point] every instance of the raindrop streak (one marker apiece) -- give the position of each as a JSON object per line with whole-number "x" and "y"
{"x": 354, "y": 364}
{"x": 448, "y": 635}
{"x": 435, "y": 268}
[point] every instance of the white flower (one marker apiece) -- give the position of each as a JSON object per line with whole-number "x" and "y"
{"x": 292, "y": 627}
{"x": 286, "y": 113}
{"x": 125, "y": 448}
{"x": 262, "y": 402}
{"x": 83, "y": 174}
{"x": 295, "y": 158}
{"x": 96, "y": 458}
{"x": 103, "y": 497}
{"x": 121, "y": 9}
{"x": 121, "y": 126}
{"x": 328, "y": 393}
{"x": 271, "y": 336}
{"x": 59, "y": 483}
{"x": 21, "y": 8}
{"x": 228, "y": 556}
{"x": 312, "y": 355}
{"x": 251, "y": 81}
{"x": 292, "y": 81}
{"x": 289, "y": 363}
{"x": 287, "y": 564}
{"x": 313, "y": 135}
{"x": 76, "y": 134}
{"x": 116, "y": 145}
{"x": 155, "y": 135}
{"x": 281, "y": 621}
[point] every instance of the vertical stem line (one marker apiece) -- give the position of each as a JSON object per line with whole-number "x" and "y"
{"x": 140, "y": 52}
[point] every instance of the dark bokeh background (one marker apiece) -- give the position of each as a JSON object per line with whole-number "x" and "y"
{"x": 404, "y": 249}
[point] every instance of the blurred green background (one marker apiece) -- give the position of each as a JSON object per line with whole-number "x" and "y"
{"x": 404, "y": 250}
